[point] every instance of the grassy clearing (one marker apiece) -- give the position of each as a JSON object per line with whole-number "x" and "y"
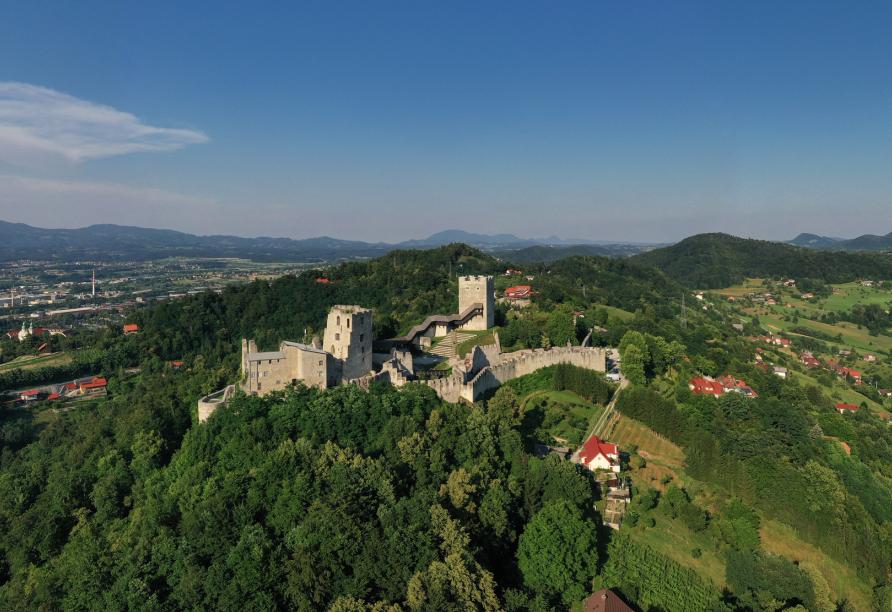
{"x": 839, "y": 391}
{"x": 557, "y": 417}
{"x": 845, "y": 583}
{"x": 29, "y": 363}
{"x": 618, "y": 313}
{"x": 750, "y": 285}
{"x": 850, "y": 294}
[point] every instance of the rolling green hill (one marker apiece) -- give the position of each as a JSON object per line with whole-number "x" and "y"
{"x": 710, "y": 261}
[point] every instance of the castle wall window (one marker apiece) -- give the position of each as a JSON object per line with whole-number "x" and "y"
{"x": 348, "y": 323}
{"x": 337, "y": 336}
{"x": 361, "y": 337}
{"x": 339, "y": 319}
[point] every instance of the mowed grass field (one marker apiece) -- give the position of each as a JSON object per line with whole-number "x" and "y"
{"x": 849, "y": 294}
{"x": 618, "y": 313}
{"x": 750, "y": 285}
{"x": 844, "y": 582}
{"x": 31, "y": 362}
{"x": 851, "y": 336}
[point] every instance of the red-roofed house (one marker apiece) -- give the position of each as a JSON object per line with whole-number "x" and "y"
{"x": 53, "y": 396}
{"x": 94, "y": 385}
{"x": 733, "y": 385}
{"x": 605, "y": 601}
{"x": 519, "y": 292}
{"x": 809, "y": 360}
{"x": 599, "y": 455}
{"x": 131, "y": 328}
{"x": 843, "y": 408}
{"x": 705, "y": 386}
{"x": 322, "y": 281}
{"x": 31, "y": 395}
{"x": 177, "y": 364}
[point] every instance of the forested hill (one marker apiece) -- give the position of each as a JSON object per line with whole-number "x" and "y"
{"x": 710, "y": 261}
{"x": 403, "y": 287}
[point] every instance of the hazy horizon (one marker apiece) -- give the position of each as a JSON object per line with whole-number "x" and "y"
{"x": 603, "y": 122}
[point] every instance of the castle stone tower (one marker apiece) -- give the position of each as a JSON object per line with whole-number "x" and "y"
{"x": 477, "y": 290}
{"x": 348, "y": 337}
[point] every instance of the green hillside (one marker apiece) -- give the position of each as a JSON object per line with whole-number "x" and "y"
{"x": 711, "y": 261}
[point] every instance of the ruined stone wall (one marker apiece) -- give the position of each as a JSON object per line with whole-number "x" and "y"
{"x": 209, "y": 403}
{"x": 514, "y": 365}
{"x": 267, "y": 375}
{"x": 309, "y": 366}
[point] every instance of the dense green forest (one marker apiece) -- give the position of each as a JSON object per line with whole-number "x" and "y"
{"x": 347, "y": 499}
{"x": 711, "y": 261}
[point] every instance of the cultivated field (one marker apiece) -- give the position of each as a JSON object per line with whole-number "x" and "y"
{"x": 651, "y": 446}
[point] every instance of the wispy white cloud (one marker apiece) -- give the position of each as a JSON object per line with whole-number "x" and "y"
{"x": 37, "y": 122}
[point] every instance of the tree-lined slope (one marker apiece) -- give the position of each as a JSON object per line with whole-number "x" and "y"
{"x": 719, "y": 260}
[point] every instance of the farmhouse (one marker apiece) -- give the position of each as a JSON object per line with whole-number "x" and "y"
{"x": 131, "y": 328}
{"x": 808, "y": 359}
{"x": 97, "y": 384}
{"x": 704, "y": 385}
{"x": 843, "y": 408}
{"x": 605, "y": 600}
{"x": 599, "y": 455}
{"x": 31, "y": 395}
{"x": 518, "y": 292}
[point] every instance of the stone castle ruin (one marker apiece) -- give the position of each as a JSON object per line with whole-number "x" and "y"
{"x": 348, "y": 340}
{"x": 345, "y": 354}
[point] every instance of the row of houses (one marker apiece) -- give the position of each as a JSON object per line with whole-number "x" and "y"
{"x": 91, "y": 385}
{"x": 706, "y": 385}
{"x": 774, "y": 340}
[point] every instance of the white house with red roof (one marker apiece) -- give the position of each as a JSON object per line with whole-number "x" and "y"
{"x": 844, "y": 408}
{"x": 519, "y": 292}
{"x": 596, "y": 454}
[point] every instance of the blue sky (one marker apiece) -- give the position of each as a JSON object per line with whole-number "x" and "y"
{"x": 390, "y": 120}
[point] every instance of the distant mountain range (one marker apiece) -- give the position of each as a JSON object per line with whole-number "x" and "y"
{"x": 867, "y": 242}
{"x": 121, "y": 243}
